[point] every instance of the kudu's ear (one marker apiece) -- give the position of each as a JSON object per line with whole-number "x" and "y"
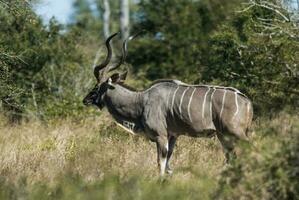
{"x": 118, "y": 78}
{"x": 123, "y": 76}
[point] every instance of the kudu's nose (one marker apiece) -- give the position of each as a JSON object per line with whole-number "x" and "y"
{"x": 85, "y": 102}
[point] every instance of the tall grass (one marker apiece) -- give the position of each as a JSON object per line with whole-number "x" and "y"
{"x": 95, "y": 153}
{"x": 94, "y": 159}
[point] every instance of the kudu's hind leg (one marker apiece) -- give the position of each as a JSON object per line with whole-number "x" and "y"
{"x": 228, "y": 143}
{"x": 171, "y": 144}
{"x": 162, "y": 150}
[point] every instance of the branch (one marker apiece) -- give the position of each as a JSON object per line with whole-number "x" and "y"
{"x": 275, "y": 10}
{"x": 271, "y": 4}
{"x": 245, "y": 9}
{"x": 266, "y": 5}
{"x": 270, "y": 20}
{"x": 13, "y": 56}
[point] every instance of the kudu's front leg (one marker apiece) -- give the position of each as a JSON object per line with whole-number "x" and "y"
{"x": 162, "y": 151}
{"x": 171, "y": 144}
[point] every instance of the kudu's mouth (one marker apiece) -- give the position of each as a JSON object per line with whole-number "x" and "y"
{"x": 87, "y": 102}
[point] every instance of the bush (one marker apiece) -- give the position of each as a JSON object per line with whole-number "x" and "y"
{"x": 44, "y": 71}
{"x": 269, "y": 168}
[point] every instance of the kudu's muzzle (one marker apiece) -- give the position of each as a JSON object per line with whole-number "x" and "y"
{"x": 87, "y": 102}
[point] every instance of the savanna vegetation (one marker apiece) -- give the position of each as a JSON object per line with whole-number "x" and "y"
{"x": 52, "y": 147}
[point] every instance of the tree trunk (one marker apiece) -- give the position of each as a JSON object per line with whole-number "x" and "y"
{"x": 106, "y": 19}
{"x": 124, "y": 18}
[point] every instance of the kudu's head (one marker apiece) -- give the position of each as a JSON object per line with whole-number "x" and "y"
{"x": 104, "y": 80}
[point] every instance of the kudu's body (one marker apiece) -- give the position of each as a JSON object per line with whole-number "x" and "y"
{"x": 170, "y": 108}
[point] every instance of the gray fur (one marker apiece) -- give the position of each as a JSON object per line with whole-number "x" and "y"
{"x": 161, "y": 113}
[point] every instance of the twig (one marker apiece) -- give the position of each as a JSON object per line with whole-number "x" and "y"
{"x": 273, "y": 9}
{"x": 267, "y": 6}
{"x": 270, "y": 20}
{"x": 245, "y": 9}
{"x": 13, "y": 56}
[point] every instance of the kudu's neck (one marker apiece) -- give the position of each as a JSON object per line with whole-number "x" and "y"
{"x": 123, "y": 103}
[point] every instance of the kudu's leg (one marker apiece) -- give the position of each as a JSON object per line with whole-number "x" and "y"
{"x": 162, "y": 150}
{"x": 171, "y": 144}
{"x": 228, "y": 144}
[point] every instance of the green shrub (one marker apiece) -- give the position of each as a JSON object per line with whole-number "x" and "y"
{"x": 269, "y": 168}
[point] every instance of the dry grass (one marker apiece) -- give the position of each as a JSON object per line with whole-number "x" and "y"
{"x": 94, "y": 159}
{"x": 95, "y": 148}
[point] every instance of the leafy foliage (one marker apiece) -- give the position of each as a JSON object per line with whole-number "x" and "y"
{"x": 268, "y": 169}
{"x": 257, "y": 52}
{"x": 40, "y": 65}
{"x": 178, "y": 32}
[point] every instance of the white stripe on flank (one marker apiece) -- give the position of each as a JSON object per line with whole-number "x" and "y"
{"x": 173, "y": 97}
{"x": 189, "y": 104}
{"x": 181, "y": 100}
{"x": 203, "y": 104}
{"x": 223, "y": 99}
{"x": 237, "y": 106}
{"x": 211, "y": 103}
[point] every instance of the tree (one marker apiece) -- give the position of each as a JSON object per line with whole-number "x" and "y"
{"x": 106, "y": 19}
{"x": 20, "y": 37}
{"x": 82, "y": 15}
{"x": 177, "y": 37}
{"x": 124, "y": 18}
{"x": 108, "y": 12}
{"x": 85, "y": 19}
{"x": 257, "y": 52}
{"x": 39, "y": 65}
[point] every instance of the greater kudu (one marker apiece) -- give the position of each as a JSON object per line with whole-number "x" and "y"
{"x": 170, "y": 108}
